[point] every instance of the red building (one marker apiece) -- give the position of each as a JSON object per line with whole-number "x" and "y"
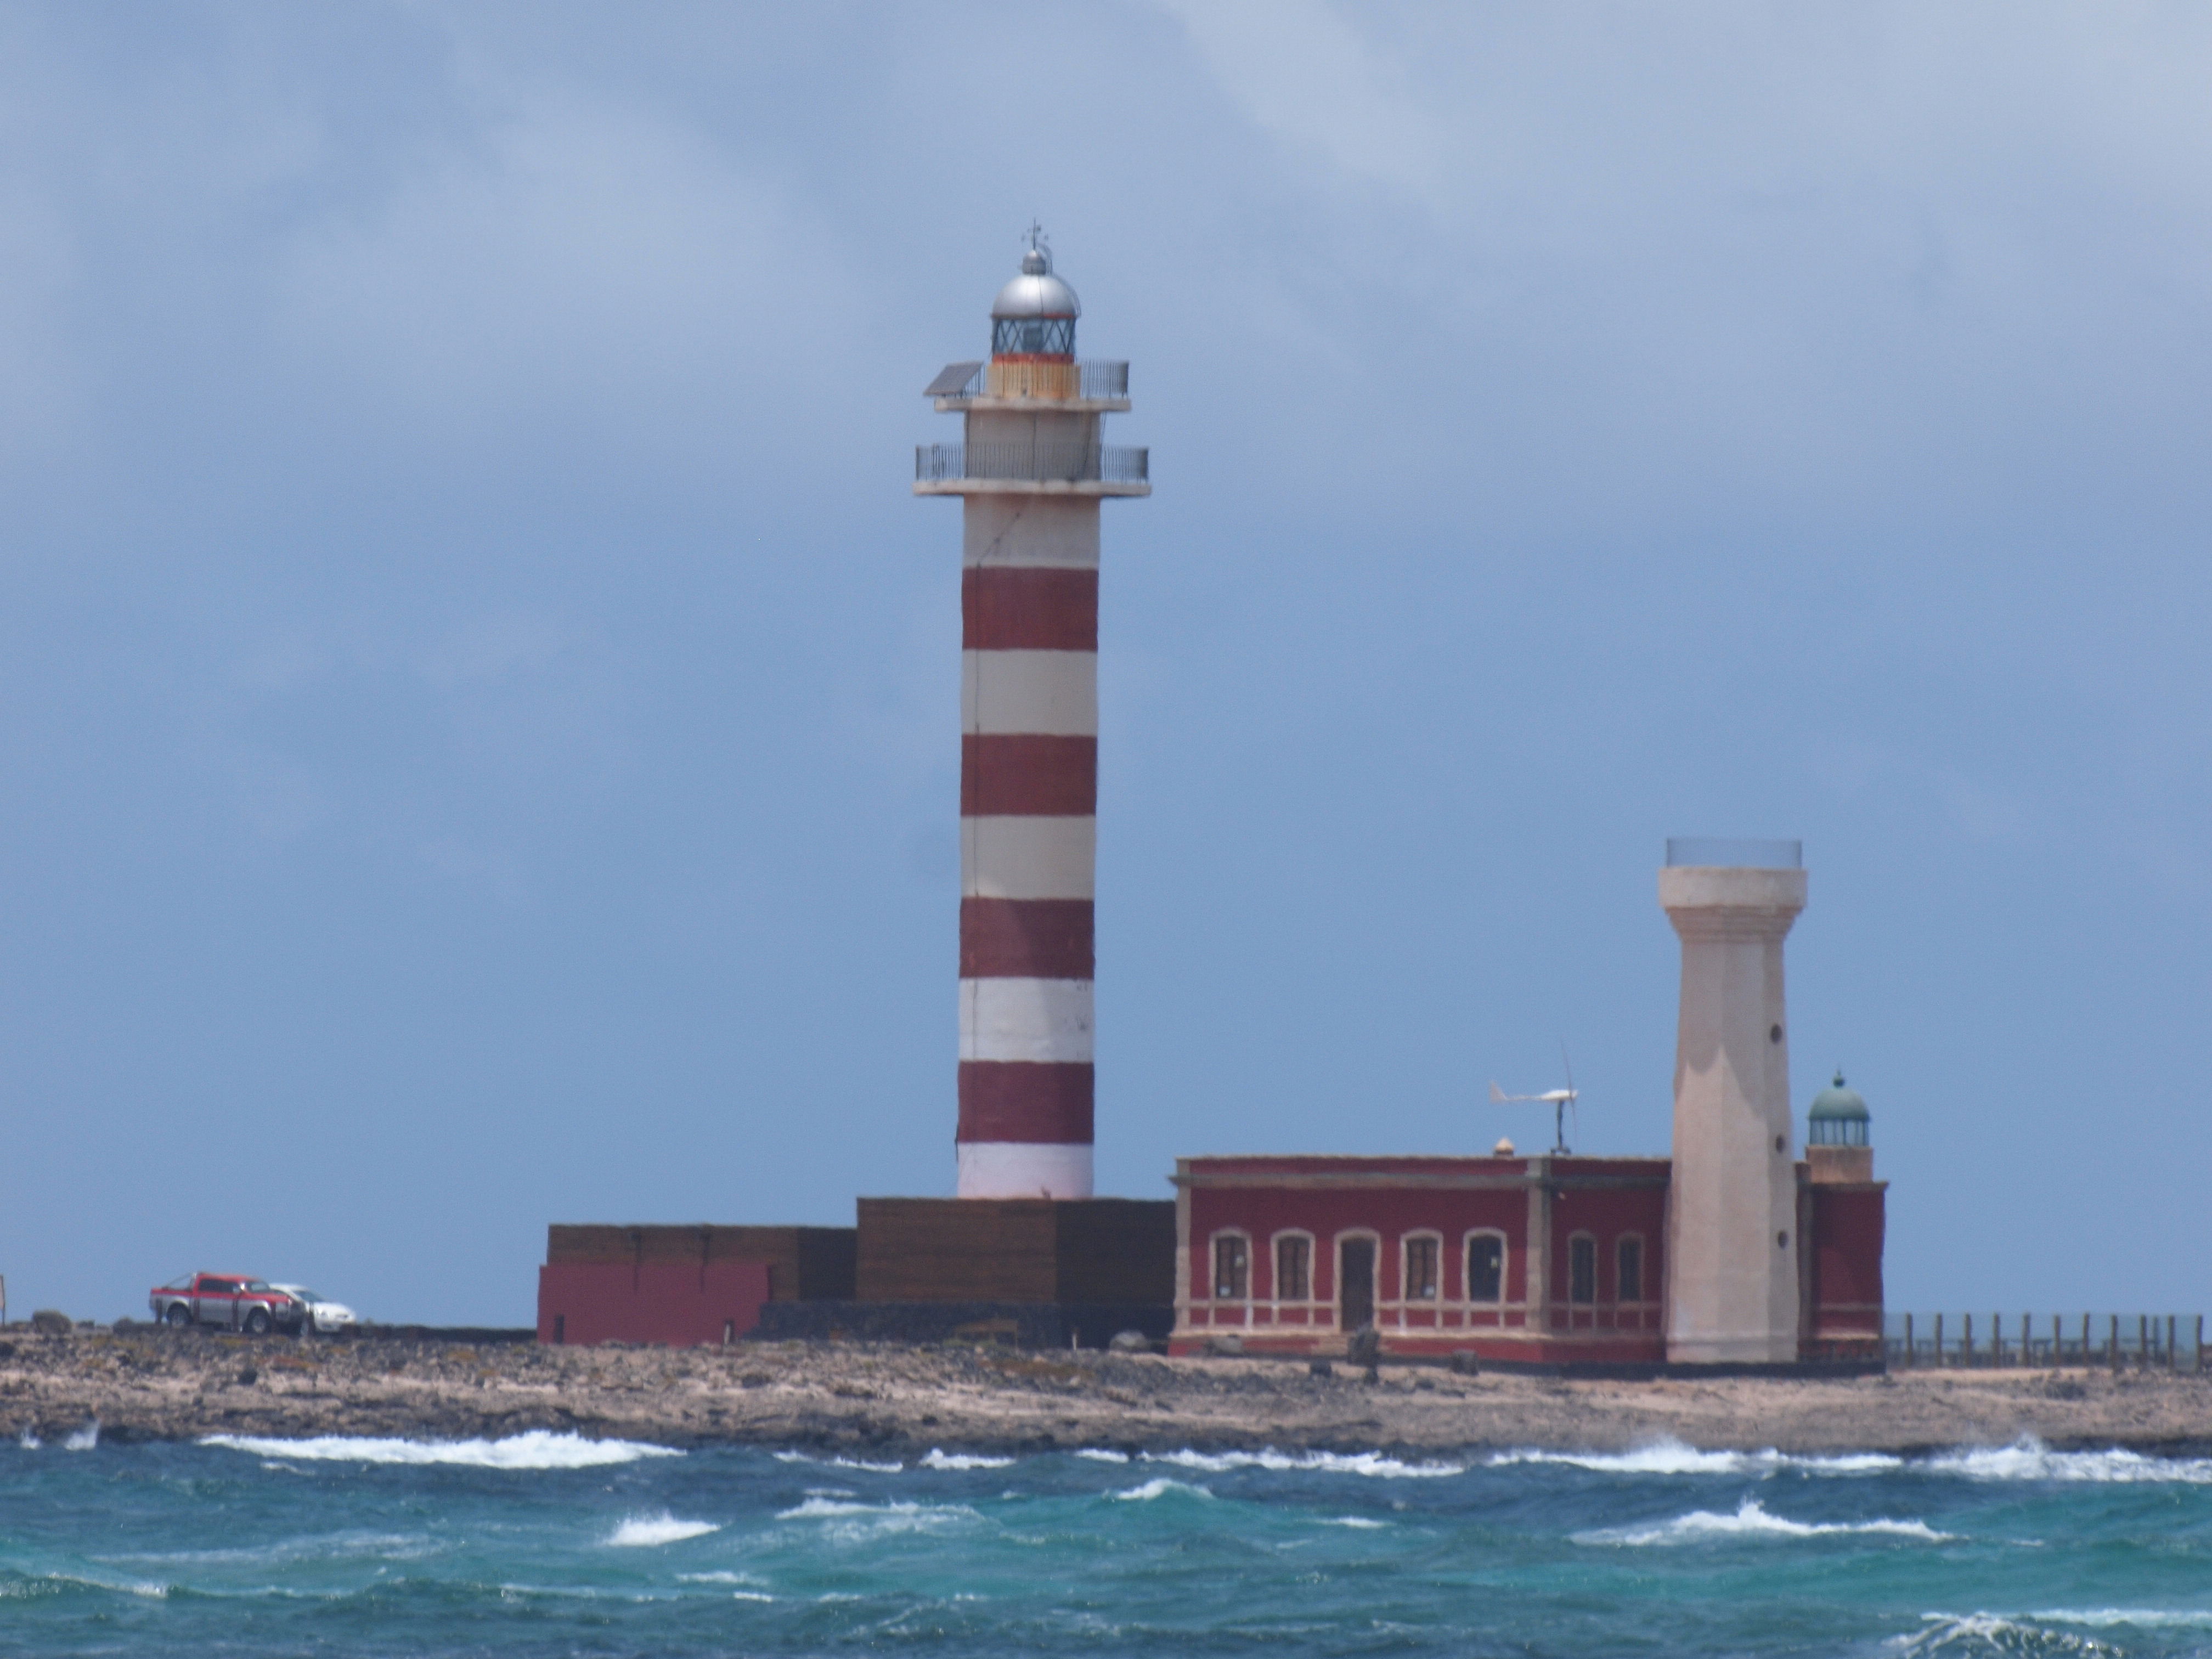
{"x": 682, "y": 1286}
{"x": 1548, "y": 1260}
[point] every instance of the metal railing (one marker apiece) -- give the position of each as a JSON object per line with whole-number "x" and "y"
{"x": 1094, "y": 379}
{"x": 2138, "y": 1341}
{"x": 1031, "y": 463}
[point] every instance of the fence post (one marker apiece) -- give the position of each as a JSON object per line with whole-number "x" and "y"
{"x": 1965, "y": 1339}
{"x": 2113, "y": 1342}
{"x": 1908, "y": 1336}
{"x": 2200, "y": 1344}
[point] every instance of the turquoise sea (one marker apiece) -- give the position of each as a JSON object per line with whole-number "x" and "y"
{"x": 548, "y": 1544}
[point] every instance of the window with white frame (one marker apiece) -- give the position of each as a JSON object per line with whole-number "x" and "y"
{"x": 1293, "y": 1267}
{"x": 1628, "y": 1269}
{"x": 1423, "y": 1254}
{"x": 1486, "y": 1268}
{"x": 1581, "y": 1269}
{"x": 1232, "y": 1267}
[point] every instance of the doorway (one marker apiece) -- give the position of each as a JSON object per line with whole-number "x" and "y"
{"x": 1355, "y": 1284}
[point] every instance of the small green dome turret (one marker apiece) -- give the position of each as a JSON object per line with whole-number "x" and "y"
{"x": 1839, "y": 1117}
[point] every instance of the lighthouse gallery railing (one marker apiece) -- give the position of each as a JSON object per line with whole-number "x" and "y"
{"x": 1031, "y": 463}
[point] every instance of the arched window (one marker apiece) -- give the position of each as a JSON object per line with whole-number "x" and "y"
{"x": 1232, "y": 1267}
{"x": 1582, "y": 1268}
{"x": 1486, "y": 1268}
{"x": 1424, "y": 1266}
{"x": 1293, "y": 1267}
{"x": 1628, "y": 1269}
{"x": 1355, "y": 1280}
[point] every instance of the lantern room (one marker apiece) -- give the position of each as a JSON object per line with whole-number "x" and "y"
{"x": 1838, "y": 1117}
{"x": 1033, "y": 332}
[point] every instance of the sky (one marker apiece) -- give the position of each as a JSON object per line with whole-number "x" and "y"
{"x": 479, "y": 699}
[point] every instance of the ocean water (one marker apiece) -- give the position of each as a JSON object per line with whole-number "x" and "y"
{"x": 548, "y": 1544}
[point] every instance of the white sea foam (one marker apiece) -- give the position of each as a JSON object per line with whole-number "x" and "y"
{"x": 1373, "y": 1464}
{"x": 942, "y": 1460}
{"x": 151, "y": 1590}
{"x": 1159, "y": 1486}
{"x": 1101, "y": 1454}
{"x": 644, "y": 1531}
{"x": 539, "y": 1449}
{"x": 1988, "y": 1632}
{"x": 1751, "y": 1521}
{"x": 2142, "y": 1618}
{"x": 726, "y": 1578}
{"x": 83, "y": 1439}
{"x": 1669, "y": 1457}
{"x": 839, "y": 1462}
{"x": 28, "y": 1441}
{"x": 1358, "y": 1523}
{"x": 2029, "y": 1459}
{"x": 854, "y": 1521}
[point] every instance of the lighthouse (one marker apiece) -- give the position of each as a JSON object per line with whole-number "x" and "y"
{"x": 1031, "y": 471}
{"x": 1735, "y": 1244}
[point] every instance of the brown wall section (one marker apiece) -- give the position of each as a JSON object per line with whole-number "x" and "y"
{"x": 1017, "y": 1250}
{"x": 804, "y": 1263}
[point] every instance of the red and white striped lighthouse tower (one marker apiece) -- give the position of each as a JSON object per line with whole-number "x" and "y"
{"x": 1031, "y": 473}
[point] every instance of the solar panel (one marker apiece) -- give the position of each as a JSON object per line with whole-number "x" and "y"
{"x": 952, "y": 380}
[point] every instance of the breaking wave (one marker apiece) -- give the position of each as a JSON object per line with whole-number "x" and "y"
{"x": 941, "y": 1460}
{"x": 1669, "y": 1456}
{"x": 83, "y": 1439}
{"x": 1101, "y": 1454}
{"x": 1374, "y": 1464}
{"x": 1752, "y": 1521}
{"x": 644, "y": 1531}
{"x": 1159, "y": 1486}
{"x": 2029, "y": 1459}
{"x": 539, "y": 1449}
{"x": 1990, "y": 1632}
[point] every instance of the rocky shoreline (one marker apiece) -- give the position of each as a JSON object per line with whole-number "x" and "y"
{"x": 153, "y": 1384}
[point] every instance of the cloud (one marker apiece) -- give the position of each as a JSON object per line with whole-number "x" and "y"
{"x": 575, "y": 260}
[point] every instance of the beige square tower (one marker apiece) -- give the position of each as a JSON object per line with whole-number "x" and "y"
{"x": 1732, "y": 1249}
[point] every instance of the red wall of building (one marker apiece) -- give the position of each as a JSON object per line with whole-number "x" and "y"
{"x": 1263, "y": 1211}
{"x": 681, "y": 1303}
{"x": 1848, "y": 1225}
{"x": 1393, "y": 1199}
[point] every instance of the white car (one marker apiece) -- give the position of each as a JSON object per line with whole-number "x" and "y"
{"x": 322, "y": 1314}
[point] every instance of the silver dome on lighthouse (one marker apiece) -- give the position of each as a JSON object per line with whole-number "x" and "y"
{"x": 1036, "y": 292}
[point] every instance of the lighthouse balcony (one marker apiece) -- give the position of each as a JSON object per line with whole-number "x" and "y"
{"x": 1075, "y": 469}
{"x": 1031, "y": 384}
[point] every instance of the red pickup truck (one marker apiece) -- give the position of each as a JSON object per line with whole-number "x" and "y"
{"x": 231, "y": 1302}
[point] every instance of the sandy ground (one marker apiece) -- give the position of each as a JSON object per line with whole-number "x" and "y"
{"x": 156, "y": 1385}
